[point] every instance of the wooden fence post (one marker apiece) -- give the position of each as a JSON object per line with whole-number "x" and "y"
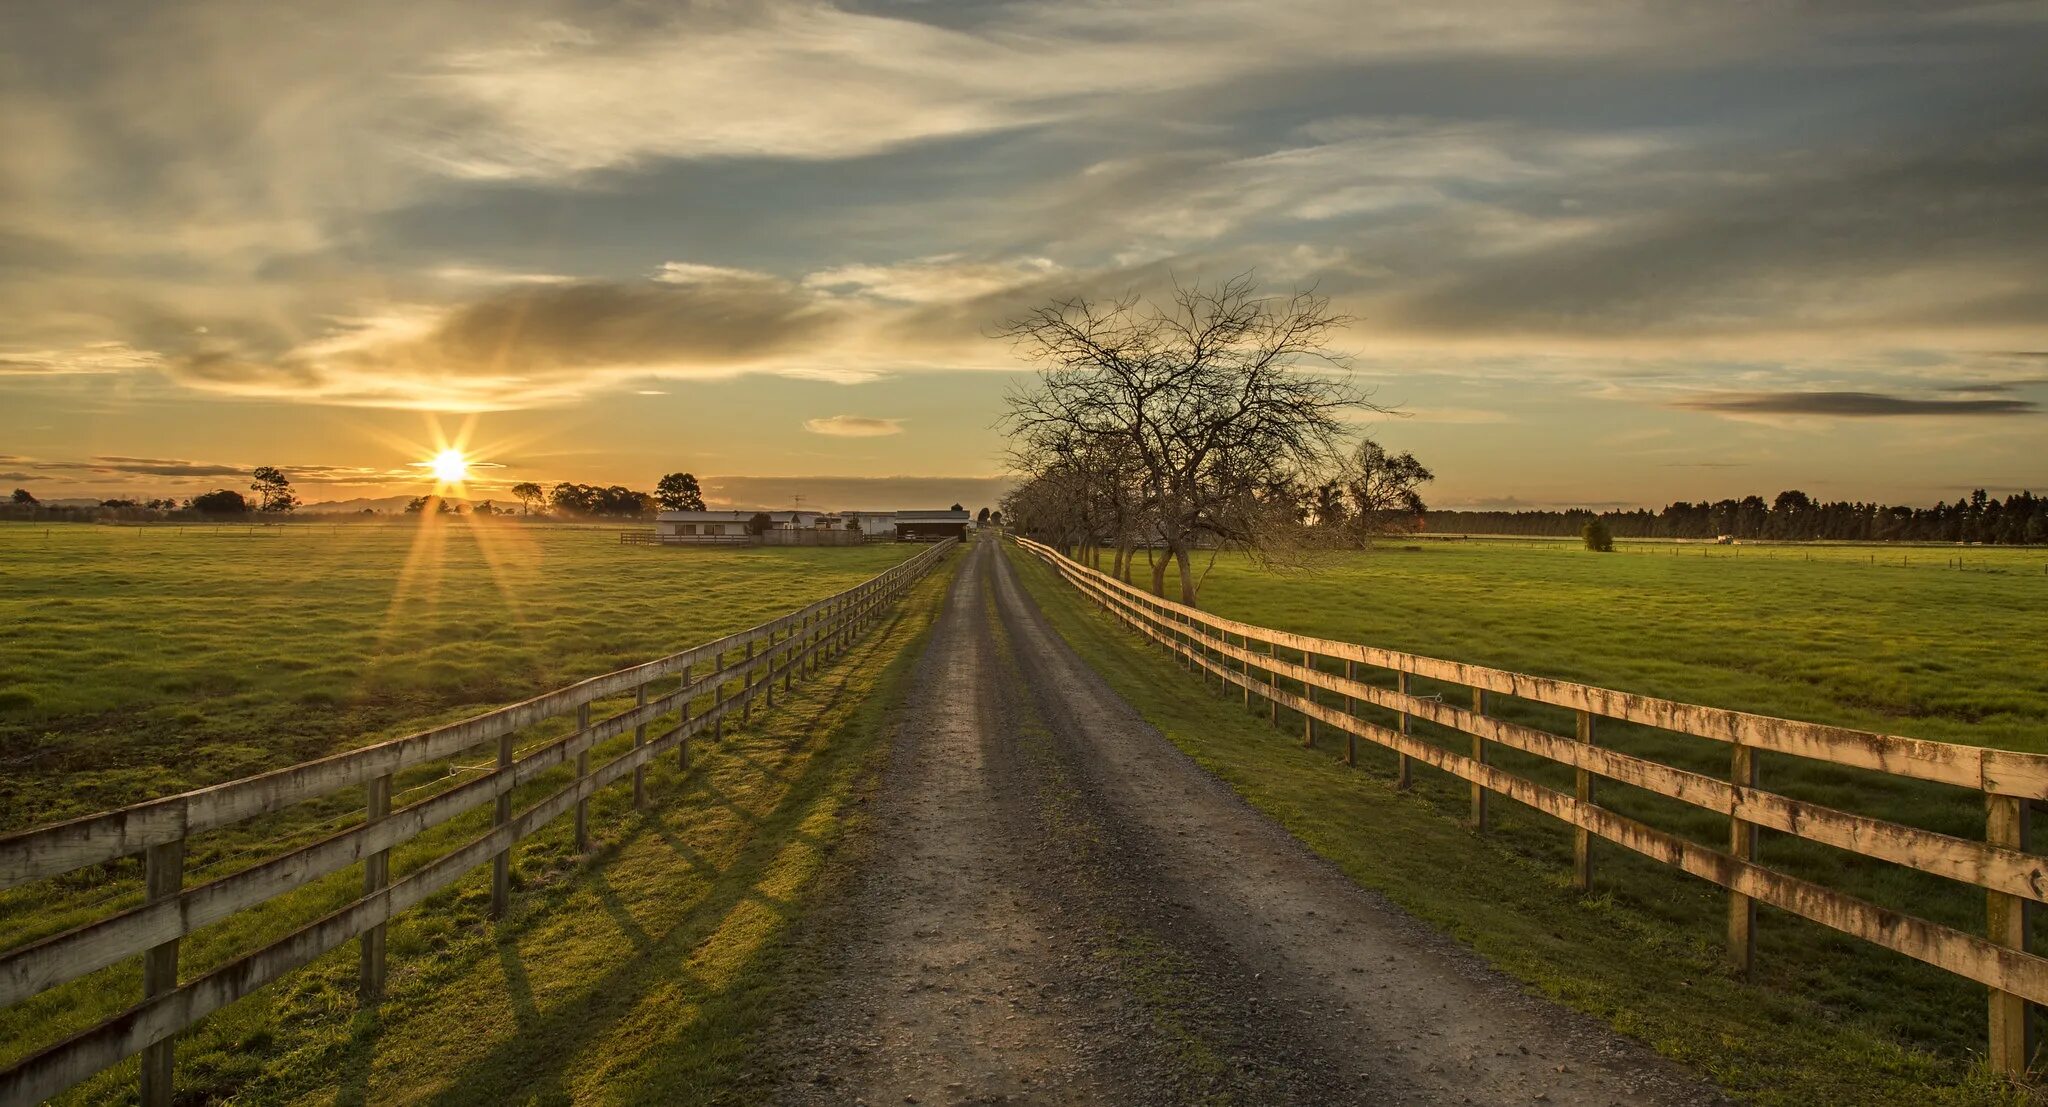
{"x": 1582, "y": 839}
{"x": 501, "y": 862}
{"x": 376, "y": 874}
{"x": 1308, "y": 692}
{"x": 1404, "y": 771}
{"x": 1350, "y": 708}
{"x": 718, "y": 696}
{"x": 2006, "y": 821}
{"x": 683, "y": 720}
{"x": 1272, "y": 685}
{"x": 1479, "y": 755}
{"x": 583, "y": 770}
{"x": 1245, "y": 667}
{"x": 1742, "y": 845}
{"x": 639, "y": 739}
{"x": 747, "y": 688}
{"x": 163, "y": 869}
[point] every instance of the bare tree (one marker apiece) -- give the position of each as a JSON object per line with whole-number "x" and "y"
{"x": 1215, "y": 398}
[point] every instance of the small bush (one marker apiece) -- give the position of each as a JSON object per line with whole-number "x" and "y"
{"x": 1598, "y": 538}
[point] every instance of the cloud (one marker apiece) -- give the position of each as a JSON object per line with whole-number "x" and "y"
{"x": 854, "y": 426}
{"x": 163, "y": 467}
{"x": 1847, "y": 404}
{"x": 526, "y": 345}
{"x": 946, "y": 279}
{"x": 574, "y": 96}
{"x": 96, "y": 358}
{"x": 534, "y": 344}
{"x": 1997, "y": 387}
{"x": 855, "y": 493}
{"x": 1950, "y": 238}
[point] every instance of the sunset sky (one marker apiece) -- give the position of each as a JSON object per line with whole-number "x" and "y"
{"x": 1600, "y": 253}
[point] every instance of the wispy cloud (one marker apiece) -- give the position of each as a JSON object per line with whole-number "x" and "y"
{"x": 854, "y": 426}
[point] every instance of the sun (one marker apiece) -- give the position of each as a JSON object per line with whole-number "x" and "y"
{"x": 450, "y": 467}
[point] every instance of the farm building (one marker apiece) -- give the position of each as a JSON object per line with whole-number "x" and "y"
{"x": 714, "y": 525}
{"x": 931, "y": 526}
{"x": 801, "y": 528}
{"x": 874, "y": 524}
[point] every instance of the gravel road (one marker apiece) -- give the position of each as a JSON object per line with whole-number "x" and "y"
{"x": 1055, "y": 905}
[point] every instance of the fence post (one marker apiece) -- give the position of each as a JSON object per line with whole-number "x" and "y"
{"x": 1404, "y": 771}
{"x": 376, "y": 874}
{"x": 1272, "y": 685}
{"x": 718, "y": 696}
{"x": 1308, "y": 692}
{"x": 1742, "y": 845}
{"x": 1582, "y": 839}
{"x": 682, "y": 721}
{"x": 501, "y": 862}
{"x": 583, "y": 770}
{"x": 1479, "y": 755}
{"x": 1245, "y": 667}
{"x": 639, "y": 739}
{"x": 163, "y": 869}
{"x": 1350, "y": 708}
{"x": 747, "y": 687}
{"x": 768, "y": 680}
{"x": 2006, "y": 821}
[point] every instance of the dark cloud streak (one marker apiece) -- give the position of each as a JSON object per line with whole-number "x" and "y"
{"x": 1852, "y": 405}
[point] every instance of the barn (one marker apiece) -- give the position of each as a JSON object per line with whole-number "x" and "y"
{"x": 931, "y": 526}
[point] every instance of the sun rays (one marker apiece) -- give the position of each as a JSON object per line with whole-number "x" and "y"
{"x": 453, "y": 463}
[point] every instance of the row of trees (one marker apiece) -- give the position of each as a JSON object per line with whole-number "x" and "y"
{"x": 273, "y": 495}
{"x": 1205, "y": 422}
{"x": 674, "y": 492}
{"x": 2018, "y": 519}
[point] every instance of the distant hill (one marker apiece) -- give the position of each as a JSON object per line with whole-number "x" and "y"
{"x": 390, "y": 504}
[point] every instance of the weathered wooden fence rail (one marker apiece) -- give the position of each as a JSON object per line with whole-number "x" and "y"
{"x": 733, "y": 671}
{"x": 1253, "y": 658}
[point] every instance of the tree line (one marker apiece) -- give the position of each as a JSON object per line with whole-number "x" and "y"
{"x": 1210, "y": 421}
{"x": 273, "y": 495}
{"x": 273, "y": 490}
{"x": 2019, "y": 519}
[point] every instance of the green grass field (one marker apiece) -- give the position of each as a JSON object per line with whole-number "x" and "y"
{"x": 143, "y": 662}
{"x": 1953, "y": 655}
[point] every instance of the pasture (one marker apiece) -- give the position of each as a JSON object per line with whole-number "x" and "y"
{"x": 273, "y": 646}
{"x": 1948, "y": 654}
{"x": 142, "y": 661}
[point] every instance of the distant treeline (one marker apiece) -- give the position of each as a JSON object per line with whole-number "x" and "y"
{"x": 2019, "y": 519}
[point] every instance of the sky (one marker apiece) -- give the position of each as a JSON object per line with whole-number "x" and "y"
{"x": 1598, "y": 253}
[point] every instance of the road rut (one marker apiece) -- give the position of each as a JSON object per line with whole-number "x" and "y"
{"x": 1056, "y": 905}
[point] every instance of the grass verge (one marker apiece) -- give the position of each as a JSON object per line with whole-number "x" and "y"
{"x": 1655, "y": 976}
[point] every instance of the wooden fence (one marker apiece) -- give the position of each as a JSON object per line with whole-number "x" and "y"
{"x": 159, "y": 829}
{"x": 1256, "y": 659}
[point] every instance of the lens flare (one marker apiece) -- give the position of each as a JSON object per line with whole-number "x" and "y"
{"x": 450, "y": 467}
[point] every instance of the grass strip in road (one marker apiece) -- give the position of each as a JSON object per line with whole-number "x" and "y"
{"x": 1660, "y": 983}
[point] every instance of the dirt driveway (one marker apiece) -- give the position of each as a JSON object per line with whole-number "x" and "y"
{"x": 1055, "y": 905}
